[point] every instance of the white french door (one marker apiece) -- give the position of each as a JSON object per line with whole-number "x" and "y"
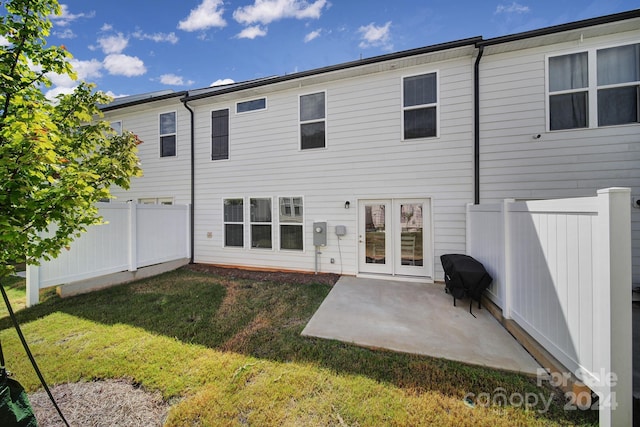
{"x": 394, "y": 237}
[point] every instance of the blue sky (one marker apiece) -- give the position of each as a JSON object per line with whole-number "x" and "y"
{"x": 137, "y": 46}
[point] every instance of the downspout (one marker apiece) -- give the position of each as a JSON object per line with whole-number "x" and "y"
{"x": 193, "y": 195}
{"x": 476, "y": 126}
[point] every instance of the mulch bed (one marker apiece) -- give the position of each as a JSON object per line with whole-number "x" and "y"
{"x": 267, "y": 276}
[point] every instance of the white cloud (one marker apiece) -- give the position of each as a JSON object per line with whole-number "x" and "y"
{"x": 113, "y": 95}
{"x": 58, "y": 90}
{"x": 66, "y": 17}
{"x": 174, "y": 80}
{"x": 222, "y": 82}
{"x": 207, "y": 15}
{"x": 312, "y": 35}
{"x": 376, "y": 36}
{"x": 87, "y": 70}
{"x": 124, "y": 65}
{"x": 113, "y": 44}
{"x": 106, "y": 27}
{"x": 157, "y": 37}
{"x": 512, "y": 8}
{"x": 66, "y": 34}
{"x": 267, "y": 11}
{"x": 252, "y": 32}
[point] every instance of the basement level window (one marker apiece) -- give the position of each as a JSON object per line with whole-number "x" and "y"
{"x": 253, "y": 105}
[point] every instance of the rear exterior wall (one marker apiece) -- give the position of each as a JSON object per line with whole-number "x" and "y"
{"x": 515, "y": 163}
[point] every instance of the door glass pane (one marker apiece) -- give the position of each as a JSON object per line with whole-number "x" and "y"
{"x": 375, "y": 234}
{"x": 411, "y": 226}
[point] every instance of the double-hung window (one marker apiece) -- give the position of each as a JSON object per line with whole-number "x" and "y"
{"x": 220, "y": 134}
{"x": 597, "y": 87}
{"x": 569, "y": 91}
{"x": 312, "y": 121}
{"x": 168, "y": 134}
{"x": 260, "y": 220}
{"x": 291, "y": 220}
{"x": 420, "y": 106}
{"x": 619, "y": 85}
{"x": 233, "y": 222}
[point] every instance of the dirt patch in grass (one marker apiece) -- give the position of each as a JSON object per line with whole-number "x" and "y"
{"x": 100, "y": 403}
{"x": 267, "y": 276}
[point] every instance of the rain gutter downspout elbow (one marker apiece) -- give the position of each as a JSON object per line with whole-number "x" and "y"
{"x": 476, "y": 126}
{"x": 192, "y": 210}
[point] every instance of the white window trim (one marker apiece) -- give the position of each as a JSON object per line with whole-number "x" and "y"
{"x": 160, "y": 135}
{"x": 301, "y": 224}
{"x": 244, "y": 224}
{"x": 241, "y": 113}
{"x": 325, "y": 120}
{"x": 592, "y": 89}
{"x": 273, "y": 223}
{"x": 211, "y": 134}
{"x": 437, "y": 104}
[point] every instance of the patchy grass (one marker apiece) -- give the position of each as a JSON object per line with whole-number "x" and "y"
{"x": 228, "y": 351}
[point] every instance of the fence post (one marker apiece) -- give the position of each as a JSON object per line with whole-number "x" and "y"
{"x": 33, "y": 285}
{"x": 506, "y": 259}
{"x": 612, "y": 312}
{"x": 133, "y": 238}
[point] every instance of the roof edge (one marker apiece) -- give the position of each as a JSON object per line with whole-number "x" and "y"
{"x": 607, "y": 19}
{"x": 110, "y": 107}
{"x": 471, "y": 41}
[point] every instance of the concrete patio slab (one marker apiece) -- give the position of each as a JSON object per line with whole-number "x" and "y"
{"x": 416, "y": 318}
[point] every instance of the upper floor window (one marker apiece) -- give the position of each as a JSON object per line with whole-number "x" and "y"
{"x": 220, "y": 134}
{"x": 584, "y": 92}
{"x": 253, "y": 105}
{"x": 117, "y": 127}
{"x": 420, "y": 106}
{"x": 619, "y": 85}
{"x": 168, "y": 134}
{"x": 312, "y": 121}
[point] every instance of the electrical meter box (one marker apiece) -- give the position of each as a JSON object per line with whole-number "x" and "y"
{"x": 341, "y": 230}
{"x": 320, "y": 233}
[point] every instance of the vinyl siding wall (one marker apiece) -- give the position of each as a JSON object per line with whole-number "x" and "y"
{"x": 364, "y": 158}
{"x": 163, "y": 176}
{"x": 559, "y": 164}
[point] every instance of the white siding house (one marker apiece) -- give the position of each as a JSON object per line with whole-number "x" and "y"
{"x": 383, "y": 151}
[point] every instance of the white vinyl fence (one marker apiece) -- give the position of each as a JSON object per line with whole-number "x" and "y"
{"x": 562, "y": 272}
{"x": 133, "y": 236}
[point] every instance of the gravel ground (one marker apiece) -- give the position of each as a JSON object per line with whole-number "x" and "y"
{"x": 100, "y": 404}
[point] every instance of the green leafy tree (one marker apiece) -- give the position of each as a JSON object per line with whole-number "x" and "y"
{"x": 57, "y": 158}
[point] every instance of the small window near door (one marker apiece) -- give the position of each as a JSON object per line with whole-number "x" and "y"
{"x": 234, "y": 223}
{"x": 260, "y": 217}
{"x": 291, "y": 220}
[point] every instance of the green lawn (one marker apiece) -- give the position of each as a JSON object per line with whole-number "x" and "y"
{"x": 229, "y": 352}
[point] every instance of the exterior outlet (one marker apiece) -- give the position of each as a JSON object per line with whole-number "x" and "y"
{"x": 333, "y": 260}
{"x": 209, "y": 235}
